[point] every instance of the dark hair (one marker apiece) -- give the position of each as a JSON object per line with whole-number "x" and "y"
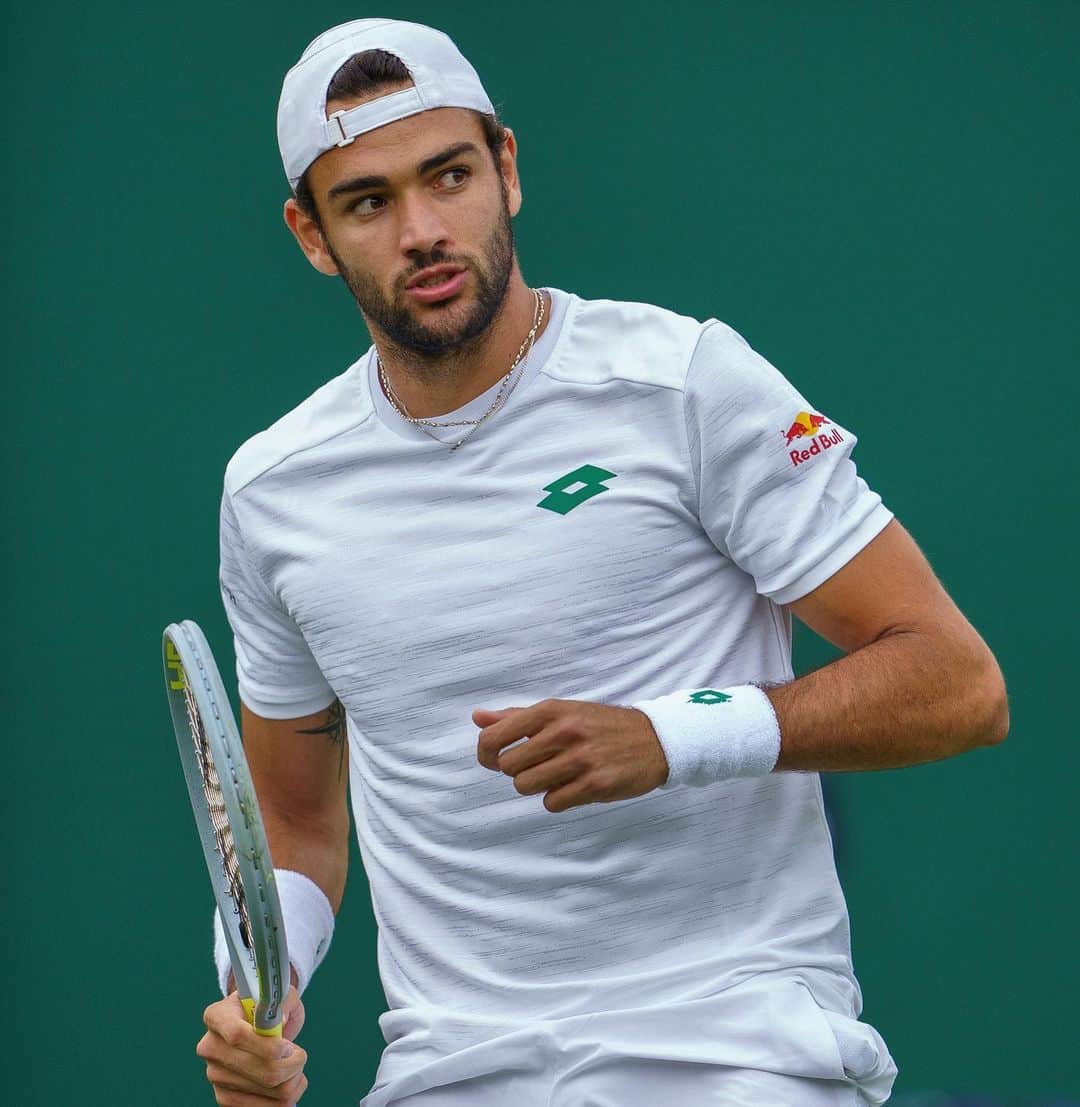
{"x": 368, "y": 72}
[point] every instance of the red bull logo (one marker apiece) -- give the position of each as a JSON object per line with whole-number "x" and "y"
{"x": 807, "y": 424}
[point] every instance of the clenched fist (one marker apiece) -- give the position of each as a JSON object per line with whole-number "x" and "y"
{"x": 577, "y": 752}
{"x": 245, "y": 1069}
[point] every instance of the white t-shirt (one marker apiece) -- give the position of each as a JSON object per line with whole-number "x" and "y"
{"x": 628, "y": 524}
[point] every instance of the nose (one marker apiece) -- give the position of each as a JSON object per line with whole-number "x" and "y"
{"x": 421, "y": 229}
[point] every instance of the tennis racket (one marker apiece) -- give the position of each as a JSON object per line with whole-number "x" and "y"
{"x": 230, "y": 826}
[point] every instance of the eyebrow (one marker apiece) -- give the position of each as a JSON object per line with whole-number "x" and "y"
{"x": 361, "y": 184}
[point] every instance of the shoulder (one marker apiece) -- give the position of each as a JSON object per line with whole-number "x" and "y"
{"x": 337, "y": 407}
{"x": 726, "y": 369}
{"x": 639, "y": 343}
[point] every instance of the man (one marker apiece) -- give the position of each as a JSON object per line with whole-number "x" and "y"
{"x": 532, "y": 561}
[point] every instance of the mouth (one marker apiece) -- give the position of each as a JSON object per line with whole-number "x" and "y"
{"x": 436, "y": 283}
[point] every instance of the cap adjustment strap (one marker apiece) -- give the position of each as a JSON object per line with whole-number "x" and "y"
{"x": 341, "y": 127}
{"x": 335, "y": 117}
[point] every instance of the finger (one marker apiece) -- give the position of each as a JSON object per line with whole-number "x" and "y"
{"x": 487, "y": 719}
{"x": 293, "y": 1022}
{"x": 247, "y": 1071}
{"x": 534, "y": 750}
{"x": 483, "y": 717}
{"x": 554, "y": 773}
{"x": 227, "y": 1021}
{"x": 286, "y": 1092}
{"x": 292, "y": 997}
{"x": 515, "y": 726}
{"x": 504, "y": 732}
{"x": 575, "y": 794}
{"x": 232, "y": 1041}
{"x": 226, "y": 1097}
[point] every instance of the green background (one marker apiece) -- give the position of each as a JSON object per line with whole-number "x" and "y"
{"x": 880, "y": 196}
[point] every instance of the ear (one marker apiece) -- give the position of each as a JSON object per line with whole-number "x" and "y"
{"x": 509, "y": 173}
{"x": 310, "y": 238}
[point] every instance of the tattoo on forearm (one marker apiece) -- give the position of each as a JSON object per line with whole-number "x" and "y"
{"x": 335, "y": 729}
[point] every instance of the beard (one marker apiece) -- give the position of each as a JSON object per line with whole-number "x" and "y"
{"x": 492, "y": 274}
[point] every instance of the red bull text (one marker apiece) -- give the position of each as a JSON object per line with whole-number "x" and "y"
{"x": 808, "y": 424}
{"x": 820, "y": 444}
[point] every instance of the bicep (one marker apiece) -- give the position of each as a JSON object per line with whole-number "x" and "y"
{"x": 299, "y": 765}
{"x": 887, "y": 587}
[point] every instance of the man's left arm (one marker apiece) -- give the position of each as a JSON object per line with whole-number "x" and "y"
{"x": 917, "y": 682}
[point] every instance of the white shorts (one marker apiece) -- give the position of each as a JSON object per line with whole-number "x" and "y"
{"x": 632, "y": 1082}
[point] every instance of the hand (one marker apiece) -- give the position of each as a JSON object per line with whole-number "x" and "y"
{"x": 577, "y": 752}
{"x": 245, "y": 1069}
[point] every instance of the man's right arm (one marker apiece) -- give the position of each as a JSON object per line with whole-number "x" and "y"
{"x": 300, "y": 770}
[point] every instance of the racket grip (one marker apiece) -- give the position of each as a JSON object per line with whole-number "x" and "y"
{"x": 249, "y": 1010}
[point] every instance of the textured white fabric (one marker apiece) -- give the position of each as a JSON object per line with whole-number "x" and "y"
{"x": 768, "y": 1024}
{"x": 611, "y": 1081}
{"x": 442, "y": 78}
{"x": 714, "y": 734}
{"x": 309, "y": 927}
{"x": 629, "y": 522}
{"x": 222, "y": 961}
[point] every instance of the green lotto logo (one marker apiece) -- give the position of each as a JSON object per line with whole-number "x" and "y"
{"x": 573, "y": 489}
{"x": 708, "y": 695}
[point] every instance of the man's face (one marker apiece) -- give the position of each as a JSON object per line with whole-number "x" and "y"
{"x": 420, "y": 193}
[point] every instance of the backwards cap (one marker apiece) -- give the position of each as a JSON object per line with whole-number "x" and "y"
{"x": 442, "y": 78}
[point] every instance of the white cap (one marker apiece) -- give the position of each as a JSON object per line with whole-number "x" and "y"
{"x": 442, "y": 78}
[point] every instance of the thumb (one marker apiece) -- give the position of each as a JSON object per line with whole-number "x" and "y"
{"x": 292, "y": 1014}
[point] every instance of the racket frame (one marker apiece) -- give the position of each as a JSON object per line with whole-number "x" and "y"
{"x": 261, "y": 973}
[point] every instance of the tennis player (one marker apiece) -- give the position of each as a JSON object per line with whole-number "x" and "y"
{"x": 523, "y": 578}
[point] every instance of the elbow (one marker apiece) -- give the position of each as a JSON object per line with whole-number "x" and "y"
{"x": 978, "y": 713}
{"x": 993, "y": 709}
{"x": 999, "y": 726}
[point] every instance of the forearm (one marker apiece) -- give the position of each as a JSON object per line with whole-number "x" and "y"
{"x": 298, "y": 767}
{"x": 317, "y": 848}
{"x": 909, "y": 697}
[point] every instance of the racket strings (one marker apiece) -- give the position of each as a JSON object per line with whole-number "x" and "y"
{"x": 219, "y": 817}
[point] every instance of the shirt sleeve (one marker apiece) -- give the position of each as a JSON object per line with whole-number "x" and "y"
{"x": 277, "y": 675}
{"x": 778, "y": 493}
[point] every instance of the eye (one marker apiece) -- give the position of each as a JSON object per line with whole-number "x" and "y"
{"x": 454, "y": 178}
{"x": 366, "y": 205}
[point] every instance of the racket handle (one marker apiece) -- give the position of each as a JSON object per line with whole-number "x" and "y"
{"x": 249, "y": 1010}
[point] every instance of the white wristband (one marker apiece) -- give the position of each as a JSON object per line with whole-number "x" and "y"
{"x": 711, "y": 734}
{"x": 309, "y": 926}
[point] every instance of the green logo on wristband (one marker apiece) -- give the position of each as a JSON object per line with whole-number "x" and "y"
{"x": 709, "y": 695}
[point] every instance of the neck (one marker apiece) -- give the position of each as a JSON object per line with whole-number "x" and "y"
{"x": 431, "y": 385}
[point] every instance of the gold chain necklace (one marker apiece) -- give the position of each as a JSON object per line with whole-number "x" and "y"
{"x": 505, "y": 386}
